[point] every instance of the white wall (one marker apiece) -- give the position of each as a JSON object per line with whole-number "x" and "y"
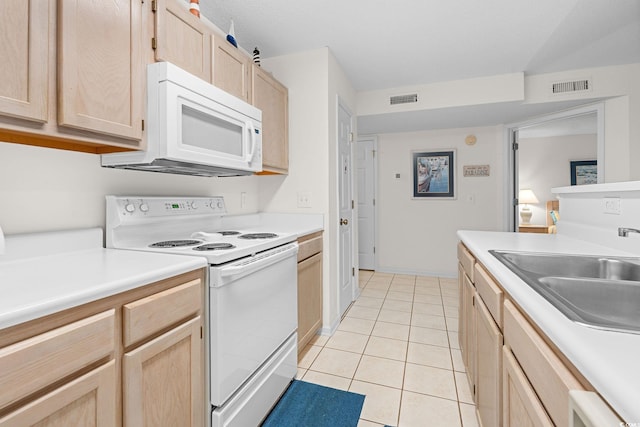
{"x": 544, "y": 163}
{"x": 45, "y": 189}
{"x": 419, "y": 236}
{"x": 315, "y": 81}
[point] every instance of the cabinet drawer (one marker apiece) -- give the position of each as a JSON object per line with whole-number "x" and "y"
{"x": 309, "y": 247}
{"x": 547, "y": 374}
{"x": 154, "y": 313}
{"x": 467, "y": 260}
{"x": 490, "y": 293}
{"x": 32, "y": 364}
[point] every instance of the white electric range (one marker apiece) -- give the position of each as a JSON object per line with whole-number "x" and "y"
{"x": 252, "y": 295}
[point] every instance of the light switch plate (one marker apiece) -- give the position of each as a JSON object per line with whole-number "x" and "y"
{"x": 612, "y": 205}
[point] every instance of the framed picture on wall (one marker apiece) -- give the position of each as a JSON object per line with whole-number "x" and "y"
{"x": 433, "y": 174}
{"x": 584, "y": 172}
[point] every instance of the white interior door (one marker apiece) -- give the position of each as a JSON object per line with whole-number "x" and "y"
{"x": 345, "y": 209}
{"x": 366, "y": 188}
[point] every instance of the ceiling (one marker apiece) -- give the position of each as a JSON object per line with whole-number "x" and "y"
{"x": 383, "y": 44}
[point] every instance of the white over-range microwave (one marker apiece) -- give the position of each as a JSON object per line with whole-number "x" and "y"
{"x": 194, "y": 128}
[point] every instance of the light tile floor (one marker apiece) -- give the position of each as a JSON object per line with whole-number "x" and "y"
{"x": 398, "y": 345}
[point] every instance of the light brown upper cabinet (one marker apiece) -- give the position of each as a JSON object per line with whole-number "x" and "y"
{"x": 231, "y": 68}
{"x": 24, "y": 72}
{"x": 181, "y": 38}
{"x": 94, "y": 102}
{"x": 273, "y": 99}
{"x": 100, "y": 76}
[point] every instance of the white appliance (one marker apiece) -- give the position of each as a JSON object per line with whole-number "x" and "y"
{"x": 252, "y": 295}
{"x": 194, "y": 128}
{"x": 587, "y": 409}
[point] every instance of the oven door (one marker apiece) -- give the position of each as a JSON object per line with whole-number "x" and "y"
{"x": 252, "y": 312}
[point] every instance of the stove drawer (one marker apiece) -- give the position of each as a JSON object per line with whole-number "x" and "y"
{"x": 150, "y": 315}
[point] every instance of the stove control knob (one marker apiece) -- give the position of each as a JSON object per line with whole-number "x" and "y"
{"x": 130, "y": 207}
{"x": 219, "y": 204}
{"x": 144, "y": 207}
{"x": 193, "y": 205}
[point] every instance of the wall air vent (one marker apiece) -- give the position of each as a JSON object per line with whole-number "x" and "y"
{"x": 574, "y": 86}
{"x": 403, "y": 99}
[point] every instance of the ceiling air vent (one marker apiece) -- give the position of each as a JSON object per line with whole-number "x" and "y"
{"x": 574, "y": 86}
{"x": 403, "y": 99}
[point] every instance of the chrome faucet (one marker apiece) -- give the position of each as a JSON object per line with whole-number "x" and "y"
{"x": 624, "y": 231}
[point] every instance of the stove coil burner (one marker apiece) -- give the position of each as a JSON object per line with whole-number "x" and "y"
{"x": 253, "y": 236}
{"x": 229, "y": 233}
{"x": 214, "y": 247}
{"x": 174, "y": 243}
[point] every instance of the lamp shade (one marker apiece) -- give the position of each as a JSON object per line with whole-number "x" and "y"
{"x": 527, "y": 197}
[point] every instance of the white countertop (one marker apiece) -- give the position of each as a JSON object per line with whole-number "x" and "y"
{"x": 35, "y": 287}
{"x": 608, "y": 360}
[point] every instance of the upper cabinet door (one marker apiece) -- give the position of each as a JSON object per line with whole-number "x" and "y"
{"x": 100, "y": 71}
{"x": 231, "y": 68}
{"x": 182, "y": 39}
{"x": 272, "y": 98}
{"x": 24, "y": 50}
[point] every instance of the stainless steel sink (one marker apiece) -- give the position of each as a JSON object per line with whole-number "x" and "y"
{"x": 598, "y": 291}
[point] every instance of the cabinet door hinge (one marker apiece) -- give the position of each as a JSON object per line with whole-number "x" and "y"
{"x": 373, "y": 152}
{"x": 201, "y": 332}
{"x": 473, "y": 300}
{"x": 374, "y": 249}
{"x": 353, "y": 205}
{"x": 515, "y": 146}
{"x": 350, "y": 136}
{"x": 374, "y": 202}
{"x": 154, "y": 44}
{"x": 353, "y": 271}
{"x": 143, "y": 125}
{"x": 474, "y": 389}
{"x": 154, "y": 5}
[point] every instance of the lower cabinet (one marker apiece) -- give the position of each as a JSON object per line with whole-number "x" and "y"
{"x": 521, "y": 407}
{"x": 489, "y": 367}
{"x": 309, "y": 288}
{"x": 133, "y": 359}
{"x": 518, "y": 379}
{"x": 163, "y": 380}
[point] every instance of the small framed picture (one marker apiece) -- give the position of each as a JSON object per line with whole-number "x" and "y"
{"x": 584, "y": 172}
{"x": 433, "y": 174}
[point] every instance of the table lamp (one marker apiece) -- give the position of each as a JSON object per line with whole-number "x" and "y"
{"x": 525, "y": 198}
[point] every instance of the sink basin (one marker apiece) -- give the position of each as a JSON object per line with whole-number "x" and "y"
{"x": 597, "y": 291}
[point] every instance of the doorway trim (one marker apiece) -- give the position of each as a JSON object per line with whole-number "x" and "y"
{"x": 510, "y": 135}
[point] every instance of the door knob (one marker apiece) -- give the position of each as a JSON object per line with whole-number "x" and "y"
{"x": 344, "y": 221}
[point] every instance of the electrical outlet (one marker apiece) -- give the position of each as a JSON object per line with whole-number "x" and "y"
{"x": 304, "y": 199}
{"x": 612, "y": 205}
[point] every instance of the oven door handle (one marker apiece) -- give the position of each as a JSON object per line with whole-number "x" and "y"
{"x": 230, "y": 273}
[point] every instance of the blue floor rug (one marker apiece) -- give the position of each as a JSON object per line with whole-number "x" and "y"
{"x": 310, "y": 405}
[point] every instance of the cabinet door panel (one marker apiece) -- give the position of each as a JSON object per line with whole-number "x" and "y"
{"x": 309, "y": 299}
{"x": 24, "y": 47}
{"x": 489, "y": 367}
{"x": 469, "y": 354}
{"x": 272, "y": 98}
{"x": 521, "y": 407}
{"x": 230, "y": 71}
{"x": 182, "y": 39}
{"x": 99, "y": 77}
{"x": 163, "y": 380}
{"x": 88, "y": 401}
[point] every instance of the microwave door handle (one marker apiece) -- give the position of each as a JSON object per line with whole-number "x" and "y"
{"x": 252, "y": 132}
